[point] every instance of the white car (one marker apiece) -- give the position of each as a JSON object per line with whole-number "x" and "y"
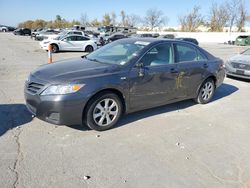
{"x": 70, "y": 43}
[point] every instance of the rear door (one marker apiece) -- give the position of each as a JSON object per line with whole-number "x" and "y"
{"x": 192, "y": 65}
{"x": 81, "y": 42}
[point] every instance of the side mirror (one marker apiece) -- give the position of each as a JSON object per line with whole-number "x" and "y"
{"x": 141, "y": 71}
{"x": 139, "y": 65}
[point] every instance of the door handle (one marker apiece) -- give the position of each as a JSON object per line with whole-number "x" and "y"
{"x": 173, "y": 70}
{"x": 205, "y": 65}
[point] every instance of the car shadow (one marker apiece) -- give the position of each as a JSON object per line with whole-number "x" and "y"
{"x": 239, "y": 79}
{"x": 13, "y": 115}
{"x": 223, "y": 91}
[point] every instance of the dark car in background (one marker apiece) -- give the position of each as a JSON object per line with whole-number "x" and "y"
{"x": 239, "y": 65}
{"x": 243, "y": 40}
{"x": 115, "y": 37}
{"x": 22, "y": 31}
{"x": 193, "y": 40}
{"x": 122, "y": 77}
{"x": 167, "y": 36}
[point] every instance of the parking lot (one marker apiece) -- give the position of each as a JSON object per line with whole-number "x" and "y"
{"x": 178, "y": 145}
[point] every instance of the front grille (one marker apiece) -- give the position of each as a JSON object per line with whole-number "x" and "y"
{"x": 34, "y": 88}
{"x": 241, "y": 66}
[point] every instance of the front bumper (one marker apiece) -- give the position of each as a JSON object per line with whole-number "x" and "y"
{"x": 56, "y": 109}
{"x": 44, "y": 46}
{"x": 240, "y": 73}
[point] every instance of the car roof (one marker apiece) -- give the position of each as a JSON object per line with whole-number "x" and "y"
{"x": 147, "y": 39}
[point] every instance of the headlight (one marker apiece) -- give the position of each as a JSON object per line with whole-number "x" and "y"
{"x": 62, "y": 89}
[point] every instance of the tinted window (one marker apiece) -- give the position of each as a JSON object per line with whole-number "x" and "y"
{"x": 201, "y": 56}
{"x": 71, "y": 38}
{"x": 185, "y": 52}
{"x": 158, "y": 55}
{"x": 80, "y": 38}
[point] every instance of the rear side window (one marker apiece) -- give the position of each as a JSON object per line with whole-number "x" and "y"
{"x": 201, "y": 56}
{"x": 185, "y": 52}
{"x": 80, "y": 38}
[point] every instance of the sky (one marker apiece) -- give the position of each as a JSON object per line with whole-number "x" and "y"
{"x": 13, "y": 12}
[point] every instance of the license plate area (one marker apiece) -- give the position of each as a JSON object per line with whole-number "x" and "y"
{"x": 241, "y": 72}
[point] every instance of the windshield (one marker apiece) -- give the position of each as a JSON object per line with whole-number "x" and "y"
{"x": 247, "y": 52}
{"x": 119, "y": 52}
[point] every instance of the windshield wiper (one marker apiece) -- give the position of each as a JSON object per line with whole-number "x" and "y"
{"x": 90, "y": 59}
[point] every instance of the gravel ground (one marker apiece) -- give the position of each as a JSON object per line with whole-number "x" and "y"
{"x": 178, "y": 145}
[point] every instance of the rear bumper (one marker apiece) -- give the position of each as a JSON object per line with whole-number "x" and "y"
{"x": 59, "y": 110}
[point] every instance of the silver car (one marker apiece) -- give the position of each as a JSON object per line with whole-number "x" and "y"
{"x": 239, "y": 65}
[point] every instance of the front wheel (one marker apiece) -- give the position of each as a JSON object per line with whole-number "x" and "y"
{"x": 103, "y": 111}
{"x": 206, "y": 92}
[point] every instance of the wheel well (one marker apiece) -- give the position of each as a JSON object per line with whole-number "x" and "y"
{"x": 210, "y": 77}
{"x": 213, "y": 78}
{"x": 111, "y": 90}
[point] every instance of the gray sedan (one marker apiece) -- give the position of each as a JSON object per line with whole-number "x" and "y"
{"x": 239, "y": 65}
{"x": 122, "y": 77}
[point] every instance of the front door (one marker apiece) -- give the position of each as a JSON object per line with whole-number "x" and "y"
{"x": 153, "y": 80}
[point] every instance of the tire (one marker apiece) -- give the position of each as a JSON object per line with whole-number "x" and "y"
{"x": 89, "y": 49}
{"x": 55, "y": 48}
{"x": 97, "y": 114}
{"x": 206, "y": 92}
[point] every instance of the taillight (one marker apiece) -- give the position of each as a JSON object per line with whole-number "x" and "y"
{"x": 222, "y": 65}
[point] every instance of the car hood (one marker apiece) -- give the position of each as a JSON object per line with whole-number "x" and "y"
{"x": 241, "y": 59}
{"x": 73, "y": 70}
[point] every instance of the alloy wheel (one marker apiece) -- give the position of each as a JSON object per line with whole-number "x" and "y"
{"x": 207, "y": 91}
{"x": 105, "y": 112}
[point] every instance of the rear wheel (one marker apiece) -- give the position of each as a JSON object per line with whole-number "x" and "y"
{"x": 103, "y": 111}
{"x": 206, "y": 92}
{"x": 89, "y": 49}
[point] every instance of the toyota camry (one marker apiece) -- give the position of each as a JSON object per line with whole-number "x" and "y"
{"x": 124, "y": 76}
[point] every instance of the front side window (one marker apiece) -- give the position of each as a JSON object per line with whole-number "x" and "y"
{"x": 185, "y": 52}
{"x": 158, "y": 55}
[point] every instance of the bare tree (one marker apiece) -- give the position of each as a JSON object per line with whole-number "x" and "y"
{"x": 133, "y": 20}
{"x": 123, "y": 18}
{"x": 233, "y": 10}
{"x": 154, "y": 18}
{"x": 84, "y": 19}
{"x": 241, "y": 19}
{"x": 106, "y": 20}
{"x": 113, "y": 18}
{"x": 192, "y": 20}
{"x": 218, "y": 17}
